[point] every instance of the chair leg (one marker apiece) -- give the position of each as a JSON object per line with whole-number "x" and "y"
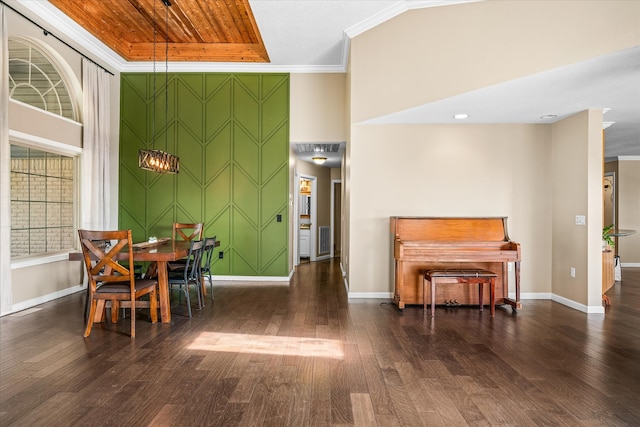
{"x": 92, "y": 313}
{"x": 133, "y": 317}
{"x": 87, "y": 303}
{"x": 199, "y": 286}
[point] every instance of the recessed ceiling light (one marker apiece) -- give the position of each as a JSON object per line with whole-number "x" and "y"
{"x": 460, "y": 116}
{"x": 548, "y": 116}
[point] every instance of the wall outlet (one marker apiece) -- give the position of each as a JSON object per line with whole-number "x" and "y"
{"x": 221, "y": 254}
{"x": 581, "y": 220}
{"x": 572, "y": 272}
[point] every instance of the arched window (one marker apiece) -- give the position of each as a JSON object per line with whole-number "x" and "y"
{"x": 43, "y": 169}
{"x": 35, "y": 80}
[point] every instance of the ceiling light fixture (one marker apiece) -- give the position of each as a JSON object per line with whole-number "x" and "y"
{"x": 548, "y": 116}
{"x": 158, "y": 160}
{"x": 460, "y": 116}
{"x": 318, "y": 160}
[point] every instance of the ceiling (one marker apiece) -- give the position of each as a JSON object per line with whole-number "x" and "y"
{"x": 313, "y": 36}
{"x": 196, "y": 30}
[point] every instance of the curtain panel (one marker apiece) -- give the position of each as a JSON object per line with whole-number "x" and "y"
{"x": 94, "y": 176}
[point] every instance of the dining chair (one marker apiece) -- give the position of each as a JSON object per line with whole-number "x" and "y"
{"x": 191, "y": 274}
{"x": 188, "y": 232}
{"x": 110, "y": 280}
{"x": 209, "y": 246}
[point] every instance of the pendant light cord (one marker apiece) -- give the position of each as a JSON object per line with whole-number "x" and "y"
{"x": 166, "y": 75}
{"x": 153, "y": 134}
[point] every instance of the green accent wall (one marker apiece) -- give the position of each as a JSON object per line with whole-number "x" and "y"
{"x": 231, "y": 132}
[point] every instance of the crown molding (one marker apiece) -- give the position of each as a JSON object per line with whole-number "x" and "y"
{"x": 59, "y": 23}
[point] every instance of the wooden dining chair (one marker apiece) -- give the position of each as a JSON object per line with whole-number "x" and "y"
{"x": 187, "y": 231}
{"x": 109, "y": 280}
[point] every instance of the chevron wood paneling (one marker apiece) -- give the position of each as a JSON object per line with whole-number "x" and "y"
{"x": 231, "y": 132}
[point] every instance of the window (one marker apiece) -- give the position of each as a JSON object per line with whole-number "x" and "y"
{"x": 42, "y": 202}
{"x": 34, "y": 79}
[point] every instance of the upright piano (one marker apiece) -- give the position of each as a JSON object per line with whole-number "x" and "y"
{"x": 424, "y": 243}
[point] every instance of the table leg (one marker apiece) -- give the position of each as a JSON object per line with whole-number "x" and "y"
{"x": 163, "y": 292}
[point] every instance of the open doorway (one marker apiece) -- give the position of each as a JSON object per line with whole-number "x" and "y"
{"x": 306, "y": 219}
{"x": 336, "y": 218}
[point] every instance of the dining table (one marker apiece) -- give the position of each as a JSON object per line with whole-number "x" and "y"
{"x": 161, "y": 253}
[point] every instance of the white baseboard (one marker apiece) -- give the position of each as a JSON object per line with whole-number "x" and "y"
{"x": 630, "y": 264}
{"x": 373, "y": 295}
{"x": 252, "y": 278}
{"x": 42, "y": 299}
{"x": 598, "y": 309}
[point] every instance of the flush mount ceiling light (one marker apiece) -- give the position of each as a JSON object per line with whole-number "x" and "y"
{"x": 460, "y": 116}
{"x": 158, "y": 160}
{"x": 548, "y": 116}
{"x": 319, "y": 160}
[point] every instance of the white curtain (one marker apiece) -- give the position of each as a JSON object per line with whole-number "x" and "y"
{"x": 5, "y": 166}
{"x": 95, "y": 178}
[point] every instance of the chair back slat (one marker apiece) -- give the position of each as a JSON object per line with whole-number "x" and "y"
{"x": 187, "y": 231}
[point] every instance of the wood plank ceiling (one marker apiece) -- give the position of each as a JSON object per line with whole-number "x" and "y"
{"x": 198, "y": 30}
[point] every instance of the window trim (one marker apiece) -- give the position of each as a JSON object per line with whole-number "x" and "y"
{"x": 32, "y": 141}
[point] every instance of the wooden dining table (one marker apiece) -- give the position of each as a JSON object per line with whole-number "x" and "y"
{"x": 161, "y": 253}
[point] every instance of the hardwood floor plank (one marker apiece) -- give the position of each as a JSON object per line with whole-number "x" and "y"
{"x": 303, "y": 354}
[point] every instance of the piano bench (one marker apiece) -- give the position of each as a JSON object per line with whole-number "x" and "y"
{"x": 471, "y": 275}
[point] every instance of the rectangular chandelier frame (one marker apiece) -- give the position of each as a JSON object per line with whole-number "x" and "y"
{"x": 158, "y": 161}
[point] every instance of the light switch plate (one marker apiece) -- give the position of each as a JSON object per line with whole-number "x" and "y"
{"x": 581, "y": 220}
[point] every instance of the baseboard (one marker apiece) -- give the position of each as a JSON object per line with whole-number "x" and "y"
{"x": 630, "y": 264}
{"x": 372, "y": 295}
{"x": 252, "y": 278}
{"x": 599, "y": 309}
{"x": 42, "y": 299}
{"x": 531, "y": 295}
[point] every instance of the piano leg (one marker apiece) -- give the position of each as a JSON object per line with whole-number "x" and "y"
{"x": 515, "y": 304}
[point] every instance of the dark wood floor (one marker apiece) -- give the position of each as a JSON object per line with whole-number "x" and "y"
{"x": 302, "y": 355}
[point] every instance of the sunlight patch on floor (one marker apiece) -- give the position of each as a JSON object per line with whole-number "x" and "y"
{"x": 259, "y": 344}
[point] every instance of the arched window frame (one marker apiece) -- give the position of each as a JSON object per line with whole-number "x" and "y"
{"x": 67, "y": 82}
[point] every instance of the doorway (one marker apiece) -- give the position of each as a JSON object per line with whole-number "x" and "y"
{"x": 306, "y": 219}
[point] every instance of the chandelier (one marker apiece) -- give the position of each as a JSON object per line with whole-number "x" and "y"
{"x": 158, "y": 160}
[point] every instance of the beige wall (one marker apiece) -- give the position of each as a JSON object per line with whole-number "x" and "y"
{"x": 628, "y": 184}
{"x": 449, "y": 170}
{"x": 430, "y": 54}
{"x": 478, "y": 170}
{"x": 577, "y": 190}
{"x": 317, "y": 108}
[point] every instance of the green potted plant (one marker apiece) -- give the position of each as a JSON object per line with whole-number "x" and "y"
{"x": 607, "y": 239}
